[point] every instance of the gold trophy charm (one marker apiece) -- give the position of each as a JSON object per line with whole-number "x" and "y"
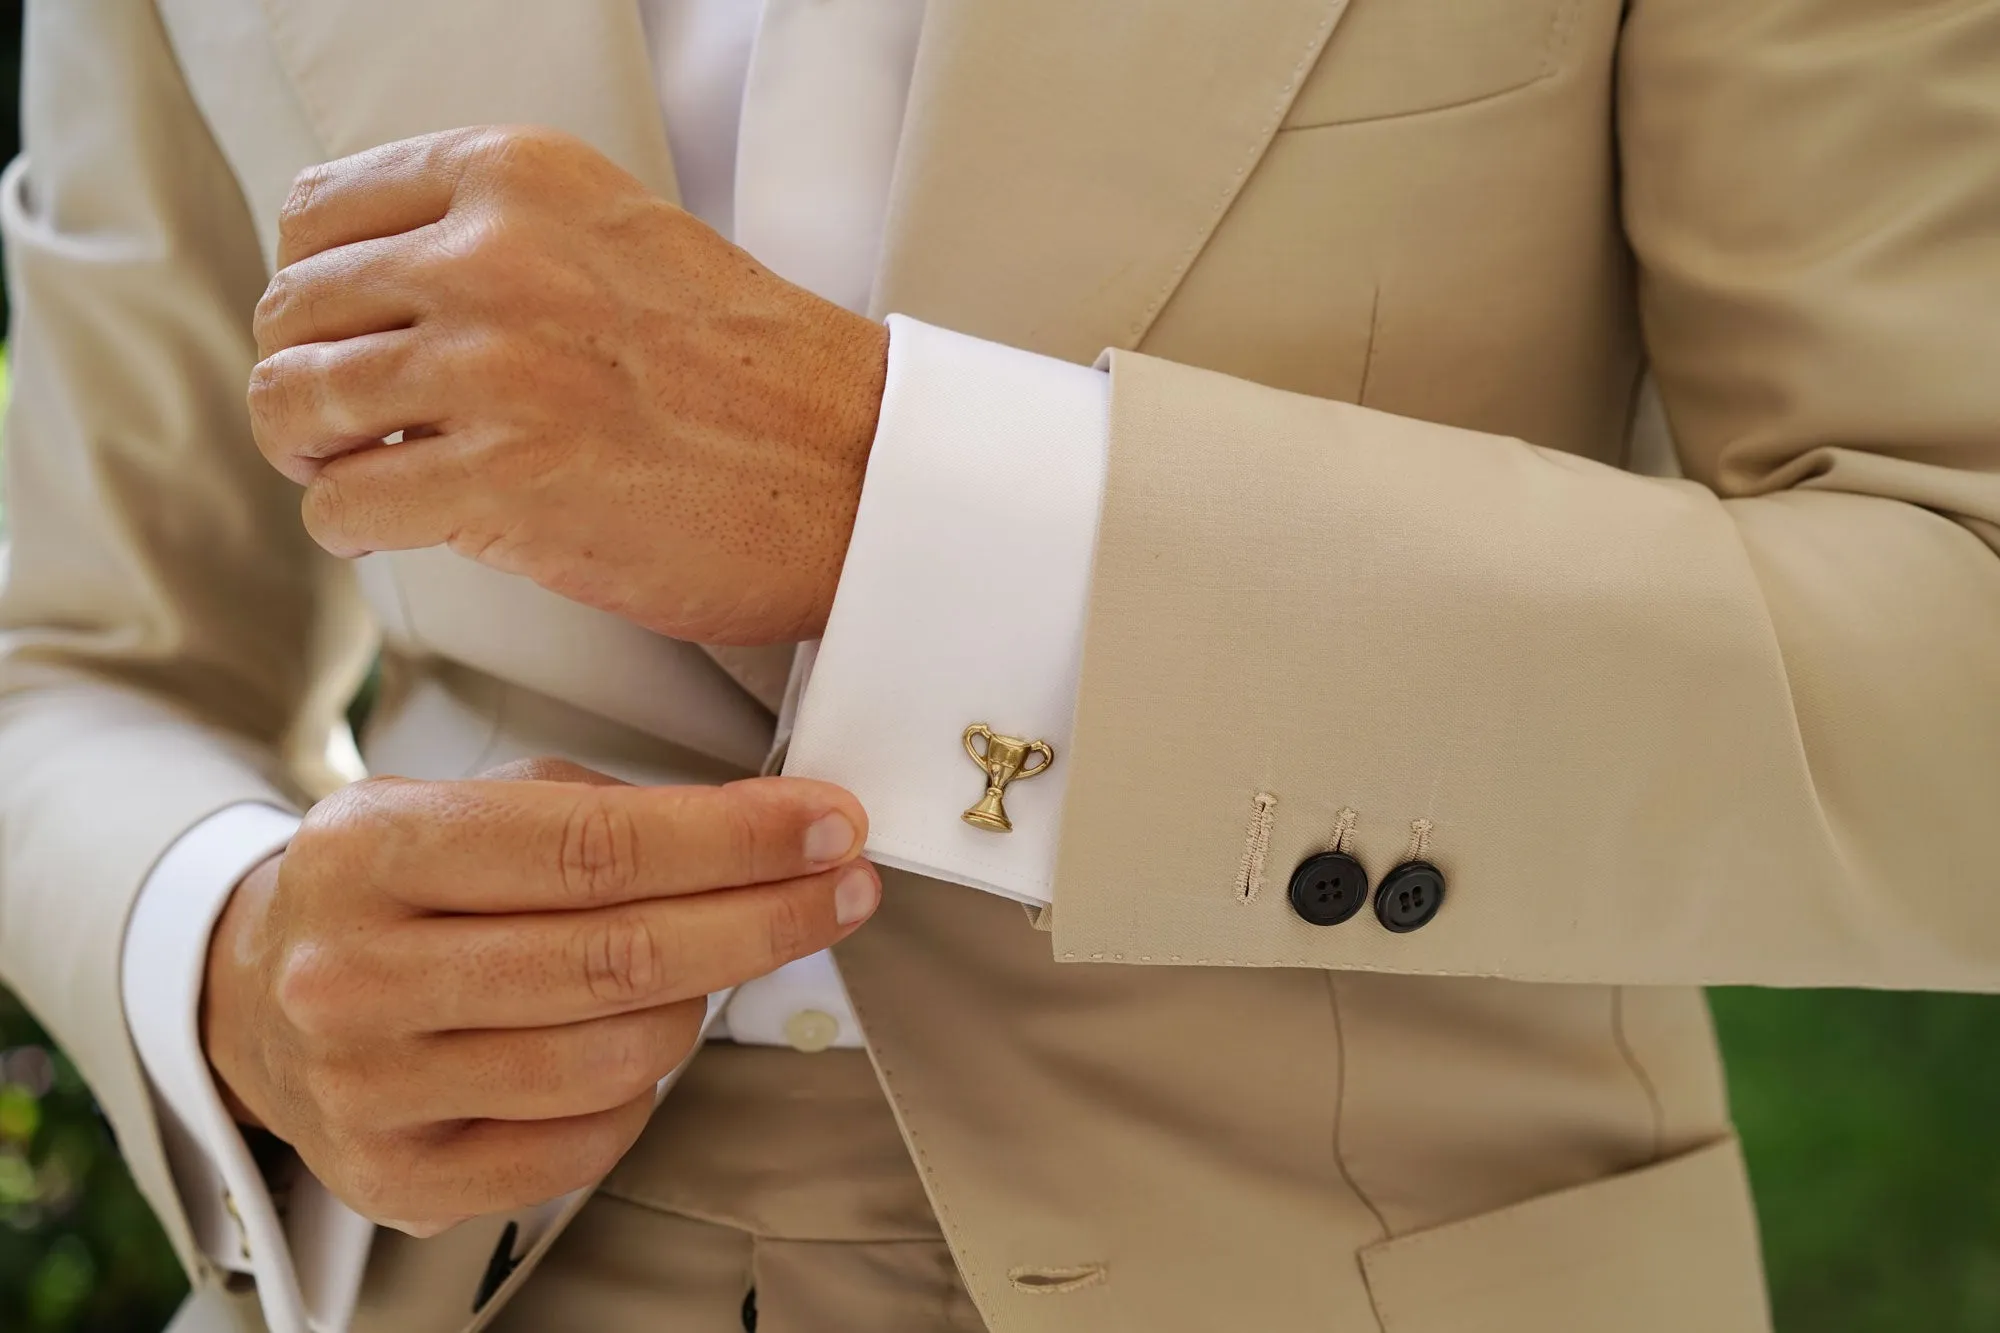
{"x": 1003, "y": 762}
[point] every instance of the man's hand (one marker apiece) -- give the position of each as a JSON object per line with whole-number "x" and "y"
{"x": 454, "y": 998}
{"x": 595, "y": 389}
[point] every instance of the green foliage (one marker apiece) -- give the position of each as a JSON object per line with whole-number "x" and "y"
{"x": 1869, "y": 1118}
{"x": 79, "y": 1251}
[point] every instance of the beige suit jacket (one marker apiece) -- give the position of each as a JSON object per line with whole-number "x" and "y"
{"x": 1742, "y": 726}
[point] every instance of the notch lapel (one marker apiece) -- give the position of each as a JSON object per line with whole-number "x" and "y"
{"x": 1063, "y": 162}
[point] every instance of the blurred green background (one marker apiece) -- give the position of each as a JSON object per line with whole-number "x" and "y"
{"x": 1872, "y": 1123}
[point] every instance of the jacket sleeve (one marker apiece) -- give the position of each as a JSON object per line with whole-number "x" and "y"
{"x": 1743, "y": 727}
{"x": 170, "y": 644}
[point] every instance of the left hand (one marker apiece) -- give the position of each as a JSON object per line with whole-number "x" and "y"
{"x": 597, "y": 391}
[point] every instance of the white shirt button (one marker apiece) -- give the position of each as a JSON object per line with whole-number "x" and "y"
{"x": 811, "y": 1030}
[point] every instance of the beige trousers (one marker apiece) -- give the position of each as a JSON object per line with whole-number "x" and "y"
{"x": 772, "y": 1191}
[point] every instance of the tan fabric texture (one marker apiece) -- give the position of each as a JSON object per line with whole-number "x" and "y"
{"x": 1380, "y": 279}
{"x": 770, "y": 1170}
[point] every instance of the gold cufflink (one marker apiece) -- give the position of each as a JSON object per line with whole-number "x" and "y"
{"x": 1005, "y": 759}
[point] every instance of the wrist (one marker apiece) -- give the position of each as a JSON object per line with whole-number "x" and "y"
{"x": 854, "y": 377}
{"x": 226, "y": 981}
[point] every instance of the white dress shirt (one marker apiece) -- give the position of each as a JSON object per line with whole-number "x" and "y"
{"x": 961, "y": 600}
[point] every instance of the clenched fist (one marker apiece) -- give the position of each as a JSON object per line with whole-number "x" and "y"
{"x": 594, "y": 389}
{"x": 454, "y": 998}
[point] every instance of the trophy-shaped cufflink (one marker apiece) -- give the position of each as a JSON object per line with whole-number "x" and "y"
{"x": 1004, "y": 759}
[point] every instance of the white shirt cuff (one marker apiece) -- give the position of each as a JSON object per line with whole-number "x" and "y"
{"x": 961, "y": 602}
{"x": 308, "y": 1267}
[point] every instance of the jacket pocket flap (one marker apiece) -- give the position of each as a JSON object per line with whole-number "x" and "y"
{"x": 1664, "y": 1249}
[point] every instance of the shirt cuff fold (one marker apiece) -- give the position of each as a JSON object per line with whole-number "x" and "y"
{"x": 961, "y": 604}
{"x": 308, "y": 1263}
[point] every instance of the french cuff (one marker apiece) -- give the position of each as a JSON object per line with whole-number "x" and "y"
{"x": 943, "y": 694}
{"x": 307, "y": 1266}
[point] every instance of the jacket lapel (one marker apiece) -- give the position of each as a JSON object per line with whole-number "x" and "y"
{"x": 1063, "y": 163}
{"x": 370, "y": 72}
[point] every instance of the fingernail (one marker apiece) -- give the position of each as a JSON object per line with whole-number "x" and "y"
{"x": 829, "y": 838}
{"x": 856, "y": 895}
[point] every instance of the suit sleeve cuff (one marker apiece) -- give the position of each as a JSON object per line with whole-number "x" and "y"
{"x": 961, "y": 602}
{"x": 307, "y": 1264}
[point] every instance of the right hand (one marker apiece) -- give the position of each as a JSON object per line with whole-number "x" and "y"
{"x": 455, "y": 998}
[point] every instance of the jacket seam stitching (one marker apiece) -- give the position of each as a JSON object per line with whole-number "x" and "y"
{"x": 1639, "y": 1074}
{"x": 1340, "y": 1110}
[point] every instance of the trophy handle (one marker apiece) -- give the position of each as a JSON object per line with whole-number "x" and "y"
{"x": 1048, "y": 754}
{"x": 978, "y": 729}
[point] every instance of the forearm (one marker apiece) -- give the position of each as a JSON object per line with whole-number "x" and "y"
{"x": 1647, "y": 735}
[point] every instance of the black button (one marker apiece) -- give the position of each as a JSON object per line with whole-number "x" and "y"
{"x": 1329, "y": 888}
{"x": 1410, "y": 896}
{"x": 500, "y": 1266}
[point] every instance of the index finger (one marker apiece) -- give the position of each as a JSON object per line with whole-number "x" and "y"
{"x": 381, "y": 191}
{"x": 512, "y": 846}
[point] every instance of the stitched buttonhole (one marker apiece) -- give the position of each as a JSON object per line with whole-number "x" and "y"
{"x": 1256, "y": 847}
{"x": 1420, "y": 840}
{"x": 1343, "y": 831}
{"x": 1055, "y": 1281}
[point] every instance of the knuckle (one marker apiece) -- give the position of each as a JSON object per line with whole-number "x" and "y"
{"x": 328, "y": 508}
{"x": 279, "y": 298}
{"x": 389, "y": 362}
{"x": 498, "y": 543}
{"x": 275, "y": 386}
{"x": 485, "y": 267}
{"x": 489, "y": 147}
{"x": 513, "y": 150}
{"x": 623, "y": 959}
{"x": 355, "y": 809}
{"x": 789, "y": 927}
{"x": 600, "y": 850}
{"x": 741, "y": 834}
{"x": 354, "y": 834}
{"x": 297, "y": 208}
{"x": 541, "y": 768}
{"x": 482, "y": 241}
{"x": 632, "y": 1066}
{"x": 312, "y": 989}
{"x": 316, "y": 842}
